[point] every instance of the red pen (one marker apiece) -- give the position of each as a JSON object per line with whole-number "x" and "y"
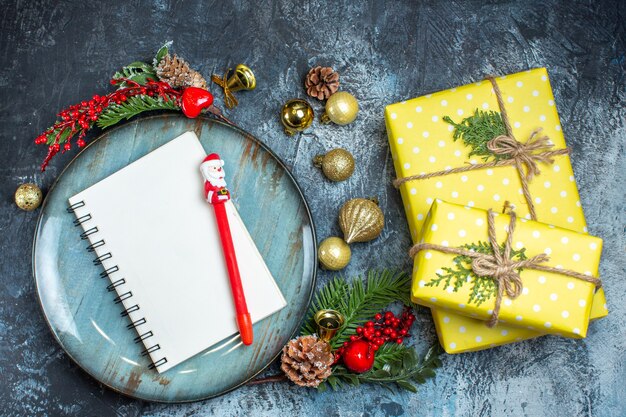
{"x": 216, "y": 193}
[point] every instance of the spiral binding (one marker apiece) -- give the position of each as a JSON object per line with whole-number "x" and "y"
{"x": 117, "y": 284}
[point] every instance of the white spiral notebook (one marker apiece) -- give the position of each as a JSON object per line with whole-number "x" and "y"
{"x": 157, "y": 240}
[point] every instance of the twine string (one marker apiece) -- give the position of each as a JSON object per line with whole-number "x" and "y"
{"x": 524, "y": 156}
{"x": 500, "y": 267}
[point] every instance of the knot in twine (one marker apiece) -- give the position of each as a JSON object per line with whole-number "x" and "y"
{"x": 500, "y": 267}
{"x": 522, "y": 155}
{"x": 229, "y": 98}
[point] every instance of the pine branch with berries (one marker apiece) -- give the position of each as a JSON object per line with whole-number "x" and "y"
{"x": 359, "y": 301}
{"x": 369, "y": 347}
{"x": 139, "y": 89}
{"x": 76, "y": 120}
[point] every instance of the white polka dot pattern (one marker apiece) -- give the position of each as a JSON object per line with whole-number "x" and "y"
{"x": 547, "y": 297}
{"x": 425, "y": 155}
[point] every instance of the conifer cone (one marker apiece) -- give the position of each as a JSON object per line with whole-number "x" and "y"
{"x": 307, "y": 361}
{"x": 176, "y": 72}
{"x": 321, "y": 82}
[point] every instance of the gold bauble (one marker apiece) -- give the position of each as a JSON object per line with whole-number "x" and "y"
{"x": 361, "y": 220}
{"x": 28, "y": 197}
{"x": 337, "y": 165}
{"x": 341, "y": 108}
{"x": 334, "y": 254}
{"x": 296, "y": 115}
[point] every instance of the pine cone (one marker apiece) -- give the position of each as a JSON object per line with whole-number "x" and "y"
{"x": 307, "y": 361}
{"x": 321, "y": 82}
{"x": 176, "y": 72}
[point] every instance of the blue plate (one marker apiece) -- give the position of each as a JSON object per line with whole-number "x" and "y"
{"x": 80, "y": 310}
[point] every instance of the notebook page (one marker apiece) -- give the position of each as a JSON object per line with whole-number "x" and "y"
{"x": 163, "y": 237}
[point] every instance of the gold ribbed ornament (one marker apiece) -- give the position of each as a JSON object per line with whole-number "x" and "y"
{"x": 337, "y": 165}
{"x": 334, "y": 254}
{"x": 361, "y": 220}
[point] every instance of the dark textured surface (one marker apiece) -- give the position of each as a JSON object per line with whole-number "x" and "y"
{"x": 56, "y": 54}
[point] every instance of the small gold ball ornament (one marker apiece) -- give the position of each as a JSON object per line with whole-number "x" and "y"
{"x": 361, "y": 220}
{"x": 341, "y": 108}
{"x": 28, "y": 197}
{"x": 296, "y": 115}
{"x": 334, "y": 254}
{"x": 337, "y": 165}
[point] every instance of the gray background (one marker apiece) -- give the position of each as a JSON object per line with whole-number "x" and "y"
{"x": 54, "y": 54}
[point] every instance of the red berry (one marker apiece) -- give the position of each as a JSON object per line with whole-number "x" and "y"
{"x": 402, "y": 332}
{"x": 388, "y": 315}
{"x": 399, "y": 340}
{"x": 378, "y": 316}
{"x": 359, "y": 356}
{"x": 369, "y": 324}
{"x": 359, "y": 330}
{"x": 346, "y": 343}
{"x": 375, "y": 348}
{"x": 80, "y": 143}
{"x": 67, "y": 146}
{"x": 377, "y": 333}
{"x": 353, "y": 338}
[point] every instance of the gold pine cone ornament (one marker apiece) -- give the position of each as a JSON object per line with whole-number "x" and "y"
{"x": 361, "y": 220}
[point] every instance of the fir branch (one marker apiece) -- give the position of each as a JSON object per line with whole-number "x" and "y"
{"x": 357, "y": 301}
{"x": 477, "y": 130}
{"x": 164, "y": 50}
{"x": 404, "y": 369}
{"x": 132, "y": 107}
{"x": 482, "y": 288}
{"x": 138, "y": 71}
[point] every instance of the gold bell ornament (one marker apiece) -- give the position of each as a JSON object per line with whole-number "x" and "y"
{"x": 28, "y": 197}
{"x": 328, "y": 323}
{"x": 241, "y": 79}
{"x": 296, "y": 116}
{"x": 337, "y": 164}
{"x": 361, "y": 220}
{"x": 341, "y": 108}
{"x": 334, "y": 254}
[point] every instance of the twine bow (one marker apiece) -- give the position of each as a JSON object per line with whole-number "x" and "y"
{"x": 524, "y": 156}
{"x": 229, "y": 98}
{"x": 500, "y": 267}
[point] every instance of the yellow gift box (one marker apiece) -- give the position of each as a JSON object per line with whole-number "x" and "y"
{"x": 550, "y": 301}
{"x": 421, "y": 142}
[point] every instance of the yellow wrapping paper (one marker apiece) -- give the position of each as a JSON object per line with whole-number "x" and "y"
{"x": 421, "y": 142}
{"x": 550, "y": 302}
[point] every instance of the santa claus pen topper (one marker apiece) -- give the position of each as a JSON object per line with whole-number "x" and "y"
{"x": 216, "y": 193}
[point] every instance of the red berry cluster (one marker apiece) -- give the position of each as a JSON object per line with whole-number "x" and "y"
{"x": 385, "y": 327}
{"x": 79, "y": 118}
